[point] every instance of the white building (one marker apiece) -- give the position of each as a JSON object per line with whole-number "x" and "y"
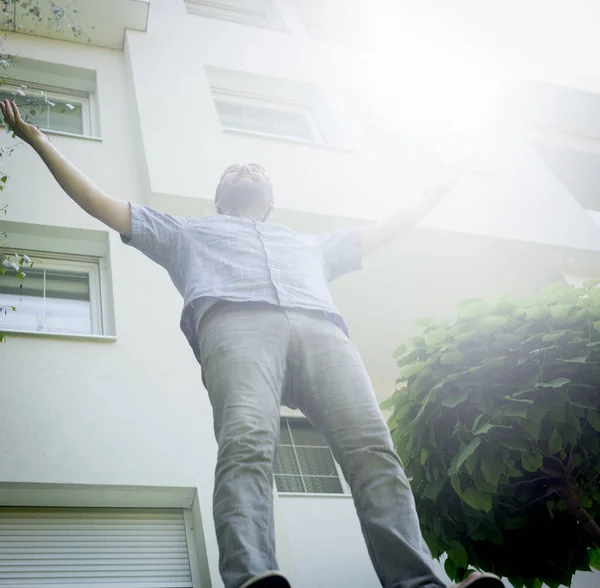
{"x": 101, "y": 404}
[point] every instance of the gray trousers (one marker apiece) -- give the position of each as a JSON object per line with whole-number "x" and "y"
{"x": 255, "y": 357}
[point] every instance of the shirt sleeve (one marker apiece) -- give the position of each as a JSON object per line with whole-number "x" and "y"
{"x": 342, "y": 252}
{"x": 155, "y": 234}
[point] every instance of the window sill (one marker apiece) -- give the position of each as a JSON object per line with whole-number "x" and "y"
{"x": 64, "y": 134}
{"x": 67, "y": 336}
{"x": 268, "y": 27}
{"x": 432, "y": 162}
{"x": 72, "y": 135}
{"x": 291, "y": 140}
{"x": 312, "y": 495}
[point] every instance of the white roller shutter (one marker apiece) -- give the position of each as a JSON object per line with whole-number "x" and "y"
{"x": 94, "y": 548}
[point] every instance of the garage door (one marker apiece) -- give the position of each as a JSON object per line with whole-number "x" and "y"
{"x": 94, "y": 548}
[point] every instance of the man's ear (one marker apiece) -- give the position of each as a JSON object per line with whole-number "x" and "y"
{"x": 268, "y": 213}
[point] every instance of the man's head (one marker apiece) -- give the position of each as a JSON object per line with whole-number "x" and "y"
{"x": 245, "y": 190}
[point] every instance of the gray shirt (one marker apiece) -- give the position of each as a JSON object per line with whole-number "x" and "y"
{"x": 240, "y": 260}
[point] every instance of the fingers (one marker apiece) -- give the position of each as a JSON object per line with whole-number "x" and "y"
{"x": 16, "y": 112}
{"x": 7, "y": 111}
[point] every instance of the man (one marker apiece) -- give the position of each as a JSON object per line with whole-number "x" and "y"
{"x": 260, "y": 319}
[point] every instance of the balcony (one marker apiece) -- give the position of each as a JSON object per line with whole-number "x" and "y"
{"x": 105, "y": 22}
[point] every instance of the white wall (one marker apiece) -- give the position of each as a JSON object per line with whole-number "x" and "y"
{"x": 131, "y": 412}
{"x": 134, "y": 412}
{"x": 517, "y": 198}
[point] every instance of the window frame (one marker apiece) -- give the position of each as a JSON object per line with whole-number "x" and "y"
{"x": 222, "y": 95}
{"x": 96, "y": 270}
{"x": 73, "y": 496}
{"x": 86, "y": 99}
{"x": 272, "y": 18}
{"x": 326, "y": 27}
{"x": 345, "y": 489}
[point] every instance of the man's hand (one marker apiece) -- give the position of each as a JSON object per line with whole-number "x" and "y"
{"x": 112, "y": 212}
{"x": 376, "y": 236}
{"x": 426, "y": 202}
{"x": 25, "y": 131}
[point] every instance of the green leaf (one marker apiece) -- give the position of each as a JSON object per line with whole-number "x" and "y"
{"x": 550, "y": 337}
{"x": 514, "y": 444}
{"x": 459, "y": 556}
{"x": 484, "y": 429}
{"x": 593, "y": 417}
{"x": 589, "y": 284}
{"x": 3, "y": 179}
{"x": 454, "y": 400}
{"x": 532, "y": 462}
{"x": 424, "y": 456}
{"x": 460, "y": 458}
{"x": 418, "y": 342}
{"x": 472, "y": 308}
{"x": 400, "y": 350}
{"x": 423, "y": 322}
{"x": 455, "y": 483}
{"x": 492, "y": 470}
{"x": 477, "y": 500}
{"x": 433, "y": 489}
{"x": 595, "y": 558}
{"x": 493, "y": 322}
{"x": 524, "y": 400}
{"x": 412, "y": 368}
{"x": 467, "y": 336}
{"x": 555, "y": 443}
{"x": 512, "y": 410}
{"x": 436, "y": 336}
{"x": 432, "y": 359}
{"x": 581, "y": 359}
{"x": 533, "y": 426}
{"x": 451, "y": 358}
{"x": 451, "y": 569}
{"x": 388, "y": 403}
{"x": 507, "y": 339}
{"x": 471, "y": 463}
{"x": 597, "y": 325}
{"x": 556, "y": 383}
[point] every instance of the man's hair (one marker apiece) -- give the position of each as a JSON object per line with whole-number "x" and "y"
{"x": 253, "y": 166}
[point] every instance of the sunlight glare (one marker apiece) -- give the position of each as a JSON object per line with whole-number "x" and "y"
{"x": 427, "y": 78}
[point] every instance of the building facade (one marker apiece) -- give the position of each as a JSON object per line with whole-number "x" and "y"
{"x": 102, "y": 404}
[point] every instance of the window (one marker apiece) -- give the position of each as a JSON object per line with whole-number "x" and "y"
{"x": 577, "y": 170}
{"x": 304, "y": 461}
{"x": 259, "y": 13}
{"x": 563, "y": 110}
{"x": 260, "y": 116}
{"x": 331, "y": 20}
{"x": 564, "y": 129}
{"x": 273, "y": 107}
{"x": 385, "y": 138}
{"x": 60, "y": 294}
{"x": 124, "y": 547}
{"x": 64, "y": 111}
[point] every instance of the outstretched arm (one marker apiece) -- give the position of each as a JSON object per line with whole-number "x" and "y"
{"x": 380, "y": 234}
{"x": 111, "y": 211}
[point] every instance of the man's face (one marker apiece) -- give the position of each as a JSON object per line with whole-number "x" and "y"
{"x": 244, "y": 187}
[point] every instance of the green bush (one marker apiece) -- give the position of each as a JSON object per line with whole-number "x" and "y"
{"x": 496, "y": 419}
